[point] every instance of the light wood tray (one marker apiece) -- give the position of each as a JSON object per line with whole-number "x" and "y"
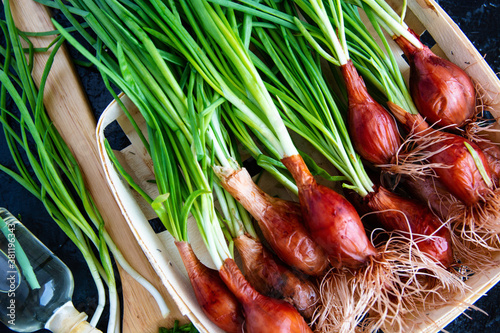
{"x": 159, "y": 248}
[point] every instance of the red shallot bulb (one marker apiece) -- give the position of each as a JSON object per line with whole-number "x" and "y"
{"x": 262, "y": 313}
{"x": 270, "y": 277}
{"x": 280, "y": 221}
{"x": 215, "y": 299}
{"x": 401, "y": 214}
{"x": 442, "y": 91}
{"x": 432, "y": 192}
{"x": 458, "y": 169}
{"x": 372, "y": 129}
{"x": 462, "y": 178}
{"x": 331, "y": 220}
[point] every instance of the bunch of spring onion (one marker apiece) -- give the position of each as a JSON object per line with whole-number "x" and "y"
{"x": 141, "y": 65}
{"x": 330, "y": 219}
{"x": 378, "y": 67}
{"x": 182, "y": 179}
{"x": 363, "y": 113}
{"x": 182, "y": 173}
{"x": 345, "y": 246}
{"x": 224, "y": 82}
{"x": 242, "y": 86}
{"x": 443, "y": 93}
{"x": 309, "y": 109}
{"x": 463, "y": 178}
{"x": 280, "y": 223}
{"x": 446, "y": 97}
{"x": 311, "y": 206}
{"x": 443, "y": 97}
{"x": 459, "y": 163}
{"x": 435, "y": 165}
{"x": 366, "y": 117}
{"x": 56, "y": 180}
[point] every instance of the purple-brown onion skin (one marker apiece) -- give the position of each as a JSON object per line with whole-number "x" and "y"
{"x": 442, "y": 92}
{"x": 292, "y": 240}
{"x": 281, "y": 224}
{"x": 372, "y": 129}
{"x": 214, "y": 297}
{"x": 270, "y": 277}
{"x": 462, "y": 178}
{"x": 262, "y": 313}
{"x": 331, "y": 220}
{"x": 397, "y": 213}
{"x": 430, "y": 191}
{"x": 460, "y": 175}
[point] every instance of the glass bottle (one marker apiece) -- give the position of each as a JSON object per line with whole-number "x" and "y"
{"x": 35, "y": 286}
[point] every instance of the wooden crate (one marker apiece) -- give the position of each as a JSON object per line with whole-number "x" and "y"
{"x": 423, "y": 15}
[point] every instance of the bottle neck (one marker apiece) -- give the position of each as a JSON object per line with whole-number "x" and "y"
{"x": 67, "y": 319}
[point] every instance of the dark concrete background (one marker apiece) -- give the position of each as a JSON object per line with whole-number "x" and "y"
{"x": 479, "y": 20}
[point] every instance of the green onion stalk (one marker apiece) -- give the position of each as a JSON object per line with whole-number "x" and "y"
{"x": 378, "y": 67}
{"x": 55, "y": 172}
{"x": 393, "y": 23}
